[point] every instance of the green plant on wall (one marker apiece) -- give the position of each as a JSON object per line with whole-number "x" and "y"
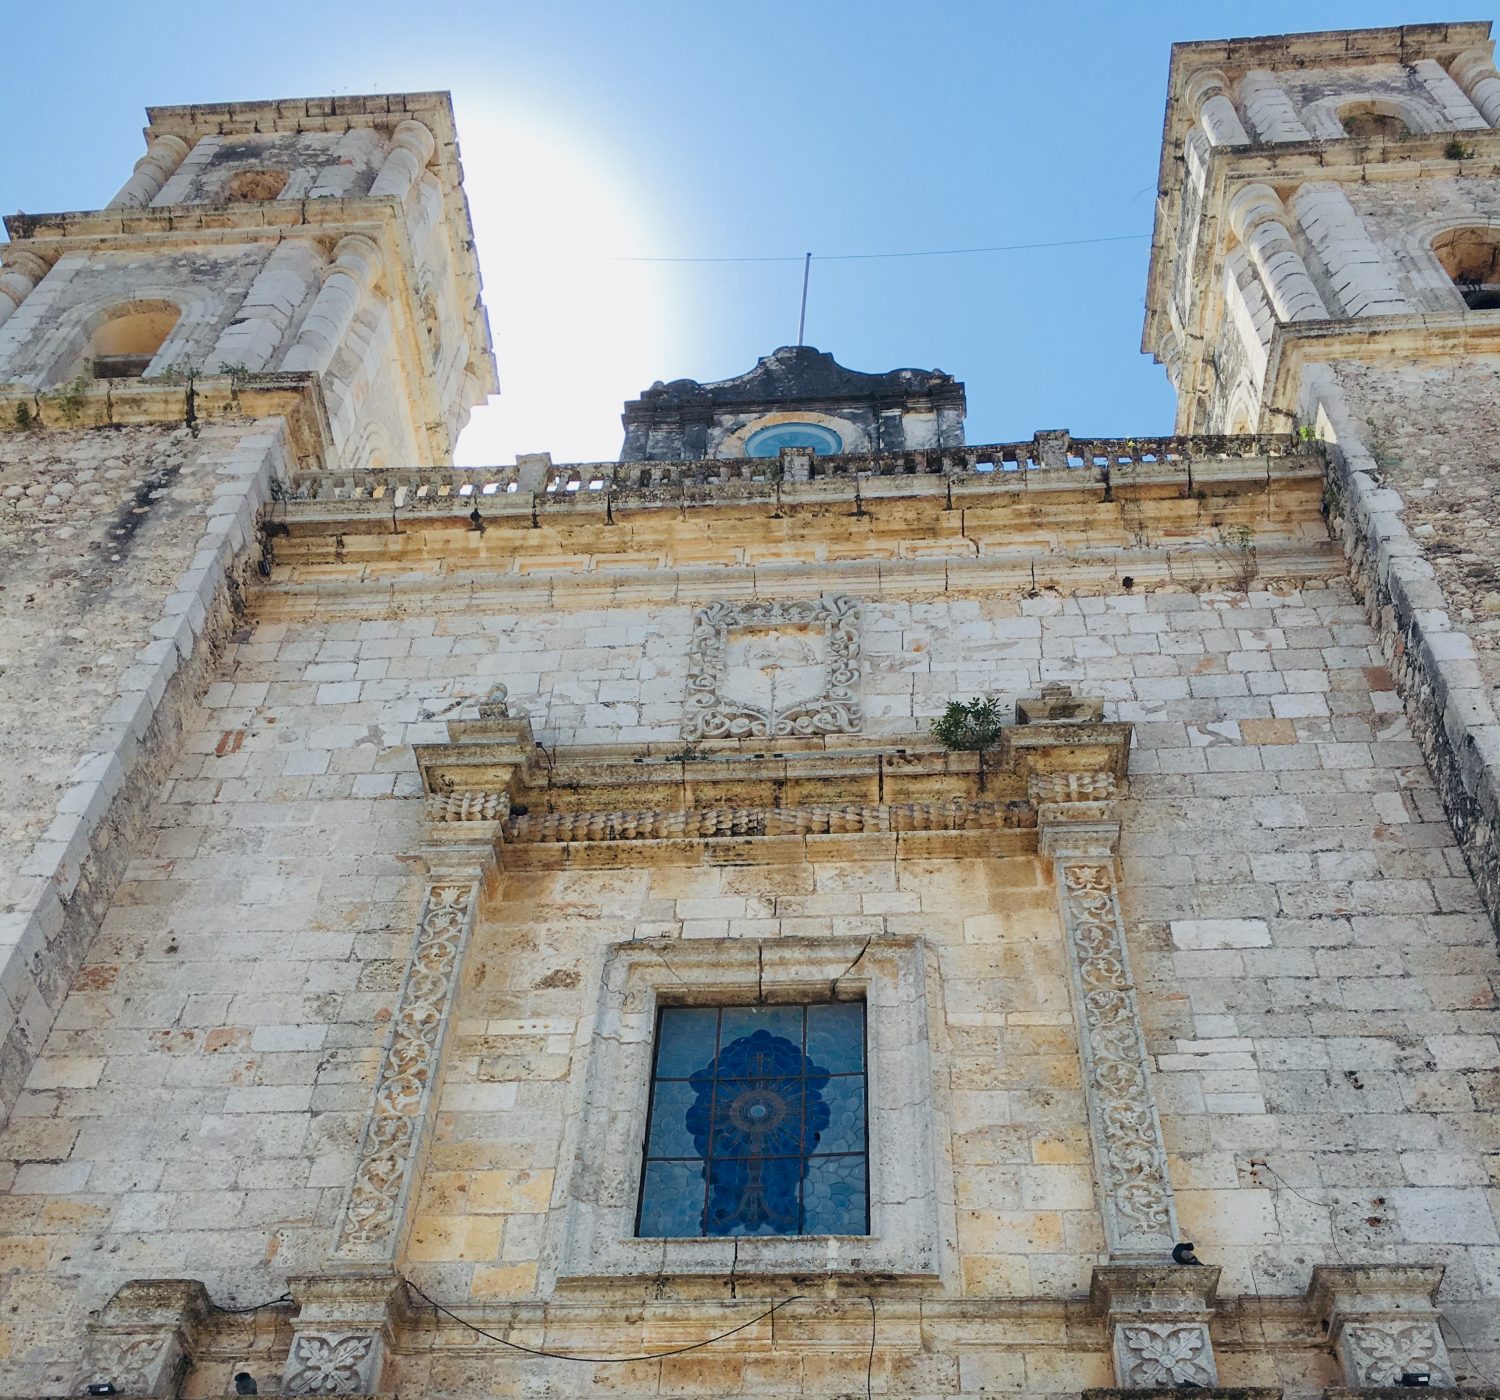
{"x": 971, "y": 726}
{"x": 70, "y": 398}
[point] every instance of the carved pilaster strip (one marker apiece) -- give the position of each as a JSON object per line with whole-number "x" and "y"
{"x": 1140, "y": 1220}
{"x": 372, "y": 1223}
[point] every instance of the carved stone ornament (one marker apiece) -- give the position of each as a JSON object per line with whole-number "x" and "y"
{"x": 370, "y": 1225}
{"x": 331, "y": 1363}
{"x": 1151, "y": 1355}
{"x": 144, "y": 1365}
{"x": 1139, "y": 1217}
{"x": 1376, "y": 1353}
{"x": 770, "y": 670}
{"x": 142, "y": 1341}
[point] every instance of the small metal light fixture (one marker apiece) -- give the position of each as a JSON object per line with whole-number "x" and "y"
{"x": 1417, "y": 1379}
{"x": 102, "y": 1388}
{"x": 476, "y": 520}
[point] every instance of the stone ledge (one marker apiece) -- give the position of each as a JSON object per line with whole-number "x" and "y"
{"x": 1405, "y": 1392}
{"x": 1230, "y": 1392}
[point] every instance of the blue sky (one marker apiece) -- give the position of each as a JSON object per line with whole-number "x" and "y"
{"x": 598, "y": 131}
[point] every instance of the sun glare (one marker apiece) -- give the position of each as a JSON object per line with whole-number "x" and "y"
{"x": 576, "y": 334}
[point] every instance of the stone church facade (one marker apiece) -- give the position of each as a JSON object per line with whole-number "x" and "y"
{"x": 515, "y": 933}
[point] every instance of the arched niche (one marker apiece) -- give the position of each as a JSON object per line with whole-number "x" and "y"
{"x": 127, "y": 338}
{"x": 1471, "y": 258}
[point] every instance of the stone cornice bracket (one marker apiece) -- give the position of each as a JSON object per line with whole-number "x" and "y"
{"x": 1381, "y": 1322}
{"x": 1474, "y": 71}
{"x": 1158, "y": 1316}
{"x": 144, "y": 1338}
{"x": 1207, "y": 94}
{"x": 473, "y": 779}
{"x": 152, "y": 171}
{"x": 342, "y": 1333}
{"x": 412, "y": 145}
{"x": 374, "y": 1220}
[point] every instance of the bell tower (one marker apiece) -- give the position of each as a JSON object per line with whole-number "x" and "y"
{"x": 324, "y": 237}
{"x": 1326, "y": 261}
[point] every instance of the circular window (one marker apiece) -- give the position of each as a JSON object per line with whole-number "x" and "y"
{"x": 769, "y": 441}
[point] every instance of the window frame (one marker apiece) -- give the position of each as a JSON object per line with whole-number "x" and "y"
{"x": 606, "y": 1137}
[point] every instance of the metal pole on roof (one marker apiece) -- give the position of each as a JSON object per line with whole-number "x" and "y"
{"x": 802, "y": 318}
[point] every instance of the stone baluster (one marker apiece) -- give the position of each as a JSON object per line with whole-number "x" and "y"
{"x": 1207, "y": 94}
{"x": 143, "y": 1340}
{"x": 18, "y": 278}
{"x": 1381, "y": 1322}
{"x": 152, "y": 171}
{"x": 411, "y": 148}
{"x": 1259, "y": 221}
{"x": 1270, "y": 109}
{"x": 1474, "y": 71}
{"x": 356, "y": 262}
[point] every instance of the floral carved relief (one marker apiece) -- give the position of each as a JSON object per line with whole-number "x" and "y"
{"x": 325, "y": 1363}
{"x": 771, "y": 670}
{"x": 1376, "y": 1353}
{"x": 142, "y": 1365}
{"x": 403, "y": 1088}
{"x": 1138, "y": 1210}
{"x": 1164, "y": 1354}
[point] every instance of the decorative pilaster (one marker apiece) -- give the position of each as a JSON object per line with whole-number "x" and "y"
{"x": 18, "y": 278}
{"x": 343, "y": 1334}
{"x": 411, "y": 148}
{"x": 152, "y": 171}
{"x": 1079, "y": 836}
{"x": 143, "y": 1339}
{"x": 1259, "y": 221}
{"x": 373, "y": 1223}
{"x": 1474, "y": 71}
{"x": 1158, "y": 1318}
{"x": 1208, "y": 92}
{"x": 1382, "y": 1323}
{"x": 356, "y": 262}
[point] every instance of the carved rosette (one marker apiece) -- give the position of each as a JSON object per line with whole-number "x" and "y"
{"x": 143, "y": 1339}
{"x": 332, "y": 1363}
{"x": 712, "y": 711}
{"x": 1376, "y": 1353}
{"x": 369, "y": 1229}
{"x": 1155, "y": 1355}
{"x": 146, "y": 1365}
{"x": 1139, "y": 1217}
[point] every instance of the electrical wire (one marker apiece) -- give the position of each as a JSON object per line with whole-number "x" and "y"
{"x": 1463, "y": 1347}
{"x": 870, "y": 1361}
{"x": 286, "y": 1300}
{"x": 916, "y": 253}
{"x": 597, "y": 1360}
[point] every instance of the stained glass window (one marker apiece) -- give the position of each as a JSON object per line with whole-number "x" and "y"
{"x": 757, "y": 1122}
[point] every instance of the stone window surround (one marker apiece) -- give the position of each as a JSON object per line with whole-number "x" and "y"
{"x": 606, "y": 1140}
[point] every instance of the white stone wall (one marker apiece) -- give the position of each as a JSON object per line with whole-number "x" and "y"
{"x": 1315, "y": 973}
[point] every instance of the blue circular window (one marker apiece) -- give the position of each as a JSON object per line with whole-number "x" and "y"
{"x": 769, "y": 441}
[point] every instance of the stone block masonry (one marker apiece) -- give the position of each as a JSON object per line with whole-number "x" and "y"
{"x": 126, "y": 553}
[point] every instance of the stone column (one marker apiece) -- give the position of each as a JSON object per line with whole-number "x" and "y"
{"x": 152, "y": 171}
{"x": 1207, "y": 93}
{"x": 1259, "y": 221}
{"x": 411, "y": 148}
{"x": 143, "y": 1339}
{"x": 1157, "y": 1316}
{"x": 356, "y": 262}
{"x": 373, "y": 1223}
{"x": 1079, "y": 837}
{"x": 1381, "y": 1322}
{"x": 342, "y": 1333}
{"x": 1270, "y": 109}
{"x": 18, "y": 278}
{"x": 1474, "y": 71}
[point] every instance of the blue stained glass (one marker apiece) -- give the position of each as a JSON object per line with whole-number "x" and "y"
{"x": 672, "y": 1199}
{"x": 669, "y": 1131}
{"x": 846, "y": 1122}
{"x": 684, "y": 1040}
{"x": 768, "y": 442}
{"x": 834, "y": 1200}
{"x": 738, "y": 1110}
{"x": 836, "y": 1036}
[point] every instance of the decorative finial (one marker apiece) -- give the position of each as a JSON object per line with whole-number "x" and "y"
{"x": 493, "y": 705}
